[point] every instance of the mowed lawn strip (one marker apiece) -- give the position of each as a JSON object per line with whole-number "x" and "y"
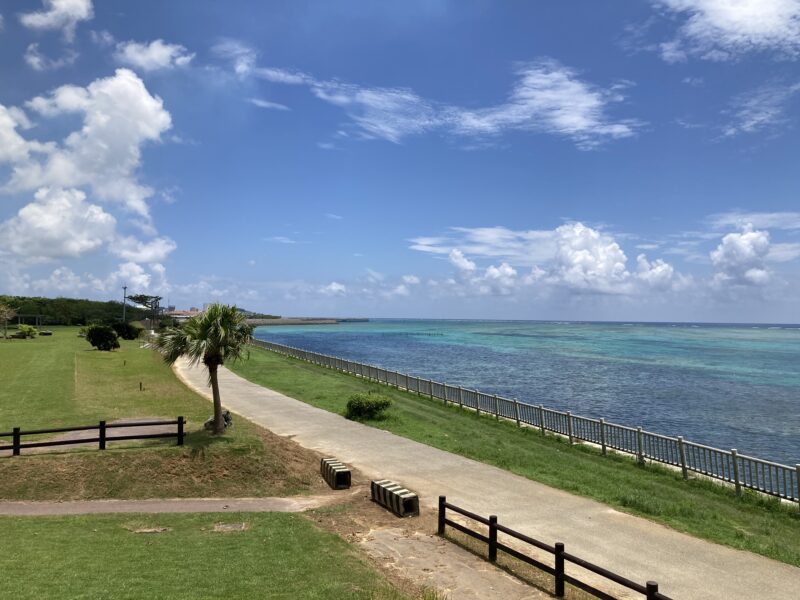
{"x": 700, "y": 508}
{"x": 101, "y": 556}
{"x": 61, "y": 381}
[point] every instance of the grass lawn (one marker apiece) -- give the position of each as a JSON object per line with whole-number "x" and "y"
{"x": 701, "y": 508}
{"x": 278, "y": 556}
{"x": 62, "y": 381}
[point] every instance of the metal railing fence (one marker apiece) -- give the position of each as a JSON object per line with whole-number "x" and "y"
{"x": 729, "y": 466}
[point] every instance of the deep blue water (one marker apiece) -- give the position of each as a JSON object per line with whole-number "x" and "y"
{"x": 729, "y": 386}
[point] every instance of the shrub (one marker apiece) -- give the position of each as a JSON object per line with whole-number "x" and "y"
{"x": 127, "y": 331}
{"x": 102, "y": 337}
{"x": 365, "y": 407}
{"x": 26, "y": 331}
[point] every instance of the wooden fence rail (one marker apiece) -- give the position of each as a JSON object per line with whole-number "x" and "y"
{"x": 102, "y": 435}
{"x": 561, "y": 557}
{"x": 729, "y": 466}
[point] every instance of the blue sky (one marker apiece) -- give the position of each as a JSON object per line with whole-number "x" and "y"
{"x": 581, "y": 160}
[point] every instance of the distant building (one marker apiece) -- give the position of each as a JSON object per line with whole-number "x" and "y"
{"x": 183, "y": 315}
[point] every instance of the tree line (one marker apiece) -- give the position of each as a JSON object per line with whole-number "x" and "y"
{"x": 70, "y": 311}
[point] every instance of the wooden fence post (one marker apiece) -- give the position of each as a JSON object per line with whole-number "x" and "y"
{"x": 496, "y": 408}
{"x": 603, "y": 434}
{"x": 442, "y": 512}
{"x": 15, "y": 441}
{"x": 516, "y": 411}
{"x": 736, "y": 483}
{"x": 682, "y": 453}
{"x": 180, "y": 430}
{"x": 541, "y": 418}
{"x": 639, "y": 446}
{"x": 569, "y": 427}
{"x": 492, "y": 538}
{"x": 652, "y": 590}
{"x": 102, "y": 436}
{"x": 559, "y": 570}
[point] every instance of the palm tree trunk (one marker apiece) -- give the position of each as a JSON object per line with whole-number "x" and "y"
{"x": 219, "y": 424}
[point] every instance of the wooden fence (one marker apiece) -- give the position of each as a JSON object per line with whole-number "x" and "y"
{"x": 739, "y": 470}
{"x": 102, "y": 435}
{"x": 561, "y": 557}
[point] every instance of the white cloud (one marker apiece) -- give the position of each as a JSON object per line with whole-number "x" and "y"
{"x": 411, "y": 279}
{"x": 267, "y": 104}
{"x": 62, "y": 281}
{"x": 587, "y": 259}
{"x": 13, "y": 147}
{"x": 134, "y": 250}
{"x": 334, "y": 288}
{"x": 726, "y": 29}
{"x": 119, "y": 117}
{"x": 760, "y": 220}
{"x": 39, "y": 62}
{"x": 281, "y": 239}
{"x": 740, "y": 258}
{"x": 57, "y": 224}
{"x": 547, "y": 98}
{"x": 461, "y": 262}
{"x": 152, "y": 56}
{"x": 59, "y": 14}
{"x": 334, "y": 216}
{"x": 761, "y": 109}
{"x": 102, "y": 38}
{"x": 375, "y": 276}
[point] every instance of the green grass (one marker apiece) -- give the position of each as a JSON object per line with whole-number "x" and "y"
{"x": 698, "y": 507}
{"x": 62, "y": 381}
{"x": 99, "y": 556}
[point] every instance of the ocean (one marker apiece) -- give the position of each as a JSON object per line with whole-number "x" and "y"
{"x": 729, "y": 386}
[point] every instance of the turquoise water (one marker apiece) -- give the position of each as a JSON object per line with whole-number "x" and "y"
{"x": 729, "y": 386}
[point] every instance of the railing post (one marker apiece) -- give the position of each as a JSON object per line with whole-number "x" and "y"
{"x": 419, "y": 387}
{"x": 652, "y": 590}
{"x": 15, "y": 441}
{"x": 559, "y": 570}
{"x": 797, "y": 481}
{"x": 516, "y": 411}
{"x": 541, "y": 418}
{"x": 102, "y": 436}
{"x": 569, "y": 428}
{"x": 442, "y": 513}
{"x": 460, "y": 397}
{"x": 639, "y": 446}
{"x": 682, "y": 452}
{"x": 478, "y": 402}
{"x": 444, "y": 394}
{"x": 736, "y": 483}
{"x": 430, "y": 387}
{"x": 496, "y": 408}
{"x": 603, "y": 434}
{"x": 492, "y": 538}
{"x": 180, "y": 430}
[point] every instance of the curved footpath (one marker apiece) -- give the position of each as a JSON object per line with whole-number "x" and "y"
{"x": 685, "y": 567}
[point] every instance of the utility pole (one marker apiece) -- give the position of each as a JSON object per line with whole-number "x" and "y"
{"x": 124, "y": 300}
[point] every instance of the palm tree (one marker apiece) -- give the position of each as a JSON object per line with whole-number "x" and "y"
{"x": 218, "y": 335}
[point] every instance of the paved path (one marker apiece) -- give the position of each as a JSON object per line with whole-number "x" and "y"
{"x": 170, "y": 505}
{"x": 684, "y": 566}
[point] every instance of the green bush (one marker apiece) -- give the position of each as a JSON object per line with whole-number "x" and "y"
{"x": 102, "y": 337}
{"x": 366, "y": 407}
{"x": 27, "y": 331}
{"x": 126, "y": 330}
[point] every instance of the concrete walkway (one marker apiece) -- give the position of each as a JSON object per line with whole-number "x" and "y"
{"x": 684, "y": 566}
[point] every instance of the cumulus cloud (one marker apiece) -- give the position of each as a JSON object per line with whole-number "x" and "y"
{"x": 39, "y": 62}
{"x": 119, "y": 117}
{"x": 738, "y": 219}
{"x": 411, "y": 279}
{"x": 57, "y": 224}
{"x": 740, "y": 258}
{"x": 152, "y": 56}
{"x": 547, "y": 97}
{"x": 59, "y": 14}
{"x": 572, "y": 256}
{"x": 134, "y": 250}
{"x": 334, "y": 288}
{"x": 726, "y": 29}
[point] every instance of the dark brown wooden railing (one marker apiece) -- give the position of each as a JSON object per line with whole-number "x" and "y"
{"x": 102, "y": 435}
{"x": 649, "y": 590}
